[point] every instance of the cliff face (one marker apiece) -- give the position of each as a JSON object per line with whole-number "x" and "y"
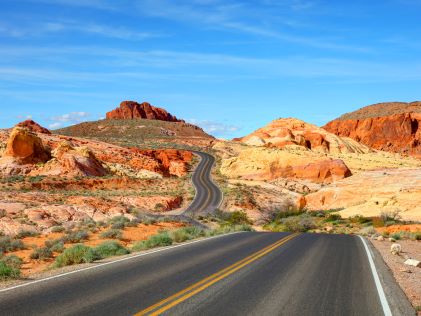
{"x": 391, "y": 127}
{"x": 134, "y": 110}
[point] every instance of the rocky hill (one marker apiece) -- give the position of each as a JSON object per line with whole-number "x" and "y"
{"x": 134, "y": 110}
{"x": 393, "y": 127}
{"x": 290, "y": 132}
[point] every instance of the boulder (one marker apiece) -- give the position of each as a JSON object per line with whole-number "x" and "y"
{"x": 413, "y": 262}
{"x": 395, "y": 249}
{"x": 25, "y": 147}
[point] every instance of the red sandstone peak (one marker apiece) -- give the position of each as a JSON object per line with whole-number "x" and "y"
{"x": 134, "y": 110}
{"x": 393, "y": 126}
{"x": 33, "y": 127}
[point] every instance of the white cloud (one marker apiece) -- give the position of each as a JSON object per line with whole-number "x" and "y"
{"x": 68, "y": 118}
{"x": 215, "y": 128}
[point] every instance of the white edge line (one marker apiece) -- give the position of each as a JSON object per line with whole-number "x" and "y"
{"x": 380, "y": 291}
{"x": 112, "y": 262}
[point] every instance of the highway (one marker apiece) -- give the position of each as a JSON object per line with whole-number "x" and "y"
{"x": 246, "y": 273}
{"x": 208, "y": 196}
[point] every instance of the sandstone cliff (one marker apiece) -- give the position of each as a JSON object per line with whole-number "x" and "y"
{"x": 134, "y": 110}
{"x": 393, "y": 127}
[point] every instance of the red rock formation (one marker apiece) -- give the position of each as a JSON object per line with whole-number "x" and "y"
{"x": 397, "y": 131}
{"x": 172, "y": 161}
{"x": 25, "y": 147}
{"x": 134, "y": 110}
{"x": 33, "y": 127}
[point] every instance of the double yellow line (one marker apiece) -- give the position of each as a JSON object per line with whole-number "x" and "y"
{"x": 192, "y": 290}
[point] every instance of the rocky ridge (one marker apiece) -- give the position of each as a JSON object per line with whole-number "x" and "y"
{"x": 393, "y": 127}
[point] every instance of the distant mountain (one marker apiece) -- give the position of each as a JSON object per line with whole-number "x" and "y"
{"x": 393, "y": 126}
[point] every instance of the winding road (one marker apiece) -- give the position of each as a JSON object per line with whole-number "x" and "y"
{"x": 208, "y": 196}
{"x": 246, "y": 273}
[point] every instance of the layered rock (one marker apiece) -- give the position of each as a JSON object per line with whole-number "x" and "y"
{"x": 260, "y": 163}
{"x": 74, "y": 161}
{"x": 391, "y": 127}
{"x": 134, "y": 110}
{"x": 372, "y": 192}
{"x": 172, "y": 162}
{"x": 293, "y": 132}
{"x": 33, "y": 127}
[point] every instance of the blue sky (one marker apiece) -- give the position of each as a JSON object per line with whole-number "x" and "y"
{"x": 229, "y": 66}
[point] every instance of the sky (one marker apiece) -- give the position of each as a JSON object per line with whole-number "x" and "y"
{"x": 228, "y": 66}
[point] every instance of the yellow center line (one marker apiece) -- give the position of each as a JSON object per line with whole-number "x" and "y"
{"x": 205, "y": 283}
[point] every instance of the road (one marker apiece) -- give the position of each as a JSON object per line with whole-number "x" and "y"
{"x": 208, "y": 196}
{"x": 246, "y": 273}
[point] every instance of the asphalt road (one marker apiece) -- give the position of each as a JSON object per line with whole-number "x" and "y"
{"x": 208, "y": 196}
{"x": 239, "y": 274}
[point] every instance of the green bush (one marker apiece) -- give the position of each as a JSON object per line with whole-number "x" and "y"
{"x": 76, "y": 236}
{"x": 57, "y": 229}
{"x": 298, "y": 223}
{"x": 41, "y": 253}
{"x": 9, "y": 244}
{"x": 159, "y": 240}
{"x": 12, "y": 261}
{"x": 417, "y": 236}
{"x": 235, "y": 218}
{"x": 112, "y": 233}
{"x": 333, "y": 217}
{"x": 26, "y": 233}
{"x": 396, "y": 236}
{"x": 76, "y": 254}
{"x": 57, "y": 247}
{"x": 111, "y": 248}
{"x": 8, "y": 272}
{"x": 119, "y": 221}
{"x": 186, "y": 233}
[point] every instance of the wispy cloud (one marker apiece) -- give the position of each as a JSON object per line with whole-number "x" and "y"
{"x": 218, "y": 129}
{"x": 69, "y": 118}
{"x": 52, "y": 27}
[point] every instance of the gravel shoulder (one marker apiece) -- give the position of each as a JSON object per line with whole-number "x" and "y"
{"x": 408, "y": 277}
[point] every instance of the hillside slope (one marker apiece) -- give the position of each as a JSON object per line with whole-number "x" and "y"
{"x": 393, "y": 127}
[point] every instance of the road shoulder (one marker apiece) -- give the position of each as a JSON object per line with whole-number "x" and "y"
{"x": 398, "y": 302}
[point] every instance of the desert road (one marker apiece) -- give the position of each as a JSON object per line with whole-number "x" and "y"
{"x": 247, "y": 273}
{"x": 208, "y": 196}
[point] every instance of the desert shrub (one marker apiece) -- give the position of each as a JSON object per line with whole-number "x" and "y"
{"x": 134, "y": 222}
{"x": 120, "y": 221}
{"x": 149, "y": 221}
{"x": 391, "y": 215}
{"x": 41, "y": 253}
{"x": 8, "y": 272}
{"x": 26, "y": 233}
{"x": 118, "y": 225}
{"x": 287, "y": 213}
{"x": 369, "y": 230}
{"x": 76, "y": 236}
{"x": 112, "y": 233}
{"x": 159, "y": 240}
{"x": 76, "y": 254}
{"x": 396, "y": 236}
{"x": 234, "y": 218}
{"x": 186, "y": 233}
{"x": 57, "y": 229}
{"x": 333, "y": 217}
{"x": 378, "y": 222}
{"x": 417, "y": 236}
{"x": 110, "y": 248}
{"x": 359, "y": 219}
{"x": 57, "y": 247}
{"x": 9, "y": 244}
{"x": 12, "y": 261}
{"x": 298, "y": 223}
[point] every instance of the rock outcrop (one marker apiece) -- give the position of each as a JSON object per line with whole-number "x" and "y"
{"x": 134, "y": 110}
{"x": 260, "y": 163}
{"x": 74, "y": 161}
{"x": 33, "y": 127}
{"x": 26, "y": 147}
{"x": 293, "y": 132}
{"x": 393, "y": 127}
{"x": 172, "y": 162}
{"x": 372, "y": 192}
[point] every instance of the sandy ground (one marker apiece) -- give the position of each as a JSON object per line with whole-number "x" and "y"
{"x": 408, "y": 277}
